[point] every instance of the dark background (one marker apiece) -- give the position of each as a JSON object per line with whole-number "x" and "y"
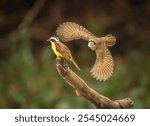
{"x": 28, "y": 78}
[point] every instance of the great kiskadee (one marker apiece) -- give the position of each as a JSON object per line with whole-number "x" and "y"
{"x": 103, "y": 67}
{"x": 62, "y": 51}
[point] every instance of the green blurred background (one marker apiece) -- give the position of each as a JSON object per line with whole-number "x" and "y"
{"x": 28, "y": 77}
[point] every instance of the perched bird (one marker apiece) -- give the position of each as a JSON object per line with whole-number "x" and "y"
{"x": 103, "y": 67}
{"x": 62, "y": 51}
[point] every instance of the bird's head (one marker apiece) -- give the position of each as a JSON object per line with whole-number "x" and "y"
{"x": 53, "y": 39}
{"x": 92, "y": 44}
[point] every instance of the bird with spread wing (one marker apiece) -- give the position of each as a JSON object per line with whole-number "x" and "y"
{"x": 103, "y": 67}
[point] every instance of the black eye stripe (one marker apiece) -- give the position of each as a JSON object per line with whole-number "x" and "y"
{"x": 93, "y": 42}
{"x": 54, "y": 39}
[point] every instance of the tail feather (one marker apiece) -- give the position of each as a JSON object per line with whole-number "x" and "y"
{"x": 110, "y": 40}
{"x": 75, "y": 64}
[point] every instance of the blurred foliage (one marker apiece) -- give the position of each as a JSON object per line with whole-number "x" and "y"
{"x": 28, "y": 77}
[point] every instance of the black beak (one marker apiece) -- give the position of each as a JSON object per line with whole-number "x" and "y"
{"x": 48, "y": 40}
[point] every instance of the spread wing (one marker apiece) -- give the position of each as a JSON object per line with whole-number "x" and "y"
{"x": 70, "y": 31}
{"x": 103, "y": 67}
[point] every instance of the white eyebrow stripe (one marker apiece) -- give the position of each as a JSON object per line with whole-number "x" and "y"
{"x": 54, "y": 39}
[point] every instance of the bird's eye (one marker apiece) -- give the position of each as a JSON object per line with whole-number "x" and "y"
{"x": 94, "y": 43}
{"x": 53, "y": 40}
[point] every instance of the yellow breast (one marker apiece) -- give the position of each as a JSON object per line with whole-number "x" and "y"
{"x": 58, "y": 54}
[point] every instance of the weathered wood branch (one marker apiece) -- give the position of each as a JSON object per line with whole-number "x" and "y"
{"x": 83, "y": 90}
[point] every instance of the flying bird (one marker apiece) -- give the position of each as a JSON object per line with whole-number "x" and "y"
{"x": 103, "y": 68}
{"x": 62, "y": 51}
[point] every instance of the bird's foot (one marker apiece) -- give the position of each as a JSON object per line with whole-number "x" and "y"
{"x": 64, "y": 64}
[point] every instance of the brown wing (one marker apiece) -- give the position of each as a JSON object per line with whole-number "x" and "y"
{"x": 64, "y": 50}
{"x": 70, "y": 31}
{"x": 103, "y": 67}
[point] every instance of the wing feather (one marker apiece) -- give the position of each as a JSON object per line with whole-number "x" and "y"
{"x": 69, "y": 31}
{"x": 103, "y": 67}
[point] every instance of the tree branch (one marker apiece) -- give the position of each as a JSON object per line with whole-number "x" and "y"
{"x": 83, "y": 90}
